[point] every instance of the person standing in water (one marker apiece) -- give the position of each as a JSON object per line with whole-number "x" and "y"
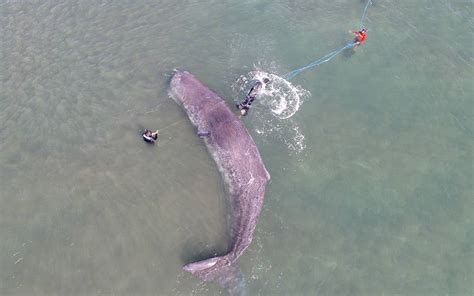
{"x": 360, "y": 38}
{"x": 250, "y": 97}
{"x": 149, "y": 136}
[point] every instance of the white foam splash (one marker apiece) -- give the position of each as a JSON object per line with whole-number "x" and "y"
{"x": 274, "y": 106}
{"x": 280, "y": 96}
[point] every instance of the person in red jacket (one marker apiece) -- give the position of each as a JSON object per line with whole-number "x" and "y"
{"x": 360, "y": 38}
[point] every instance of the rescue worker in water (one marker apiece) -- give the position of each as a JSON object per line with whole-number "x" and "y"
{"x": 360, "y": 38}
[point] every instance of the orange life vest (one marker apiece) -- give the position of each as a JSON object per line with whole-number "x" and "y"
{"x": 361, "y": 36}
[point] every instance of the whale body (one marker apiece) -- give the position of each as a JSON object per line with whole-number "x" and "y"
{"x": 239, "y": 162}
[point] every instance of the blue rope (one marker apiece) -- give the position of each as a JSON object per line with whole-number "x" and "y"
{"x": 329, "y": 56}
{"x": 322, "y": 60}
{"x": 364, "y": 14}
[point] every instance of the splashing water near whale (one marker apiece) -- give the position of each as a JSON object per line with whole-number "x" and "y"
{"x": 276, "y": 104}
{"x": 280, "y": 96}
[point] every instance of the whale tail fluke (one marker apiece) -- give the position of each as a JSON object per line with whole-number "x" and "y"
{"x": 200, "y": 268}
{"x": 221, "y": 270}
{"x": 211, "y": 269}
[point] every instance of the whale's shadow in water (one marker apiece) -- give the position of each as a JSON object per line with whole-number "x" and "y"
{"x": 197, "y": 247}
{"x": 196, "y": 250}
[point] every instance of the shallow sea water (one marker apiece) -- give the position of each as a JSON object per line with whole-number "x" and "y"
{"x": 372, "y": 174}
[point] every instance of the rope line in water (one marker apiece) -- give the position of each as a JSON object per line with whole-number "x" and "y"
{"x": 318, "y": 62}
{"x": 174, "y": 123}
{"x": 364, "y": 14}
{"x": 331, "y": 55}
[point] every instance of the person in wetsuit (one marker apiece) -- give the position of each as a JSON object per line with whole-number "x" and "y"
{"x": 250, "y": 97}
{"x": 149, "y": 136}
{"x": 360, "y": 38}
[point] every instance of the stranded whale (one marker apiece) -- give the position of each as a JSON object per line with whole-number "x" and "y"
{"x": 239, "y": 161}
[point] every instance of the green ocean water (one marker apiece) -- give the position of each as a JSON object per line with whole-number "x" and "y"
{"x": 372, "y": 177}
